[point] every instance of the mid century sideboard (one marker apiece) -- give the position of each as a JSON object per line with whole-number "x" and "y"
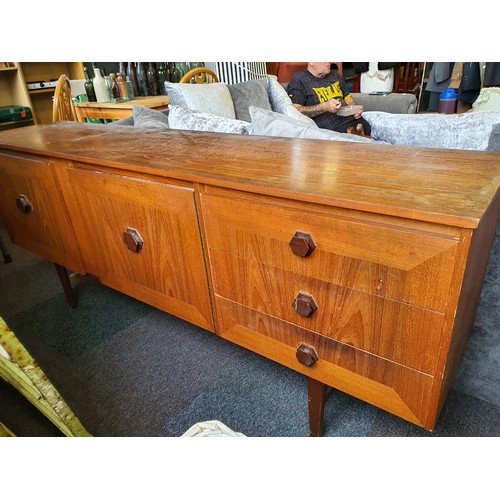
{"x": 357, "y": 265}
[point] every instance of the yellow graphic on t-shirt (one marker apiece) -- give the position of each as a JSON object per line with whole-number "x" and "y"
{"x": 326, "y": 93}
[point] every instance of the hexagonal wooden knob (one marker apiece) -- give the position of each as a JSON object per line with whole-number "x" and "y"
{"x": 133, "y": 240}
{"x": 302, "y": 244}
{"x": 23, "y": 204}
{"x": 306, "y": 354}
{"x": 304, "y": 304}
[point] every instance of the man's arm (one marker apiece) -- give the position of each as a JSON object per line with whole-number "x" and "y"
{"x": 331, "y": 106}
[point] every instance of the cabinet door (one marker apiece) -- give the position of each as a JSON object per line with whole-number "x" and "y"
{"x": 34, "y": 211}
{"x": 142, "y": 237}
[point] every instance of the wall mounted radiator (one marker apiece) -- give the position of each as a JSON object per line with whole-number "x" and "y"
{"x": 236, "y": 72}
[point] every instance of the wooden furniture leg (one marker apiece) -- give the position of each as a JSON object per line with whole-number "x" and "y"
{"x": 6, "y": 256}
{"x": 317, "y": 394}
{"x": 66, "y": 284}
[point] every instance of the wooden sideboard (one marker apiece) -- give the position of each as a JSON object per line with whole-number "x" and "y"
{"x": 357, "y": 265}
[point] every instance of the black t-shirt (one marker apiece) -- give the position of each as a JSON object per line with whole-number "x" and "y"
{"x": 308, "y": 90}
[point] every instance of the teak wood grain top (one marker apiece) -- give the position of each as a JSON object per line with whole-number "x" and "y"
{"x": 443, "y": 186}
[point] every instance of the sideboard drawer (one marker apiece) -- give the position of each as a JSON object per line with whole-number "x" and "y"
{"x": 409, "y": 261}
{"x": 394, "y": 330}
{"x": 34, "y": 210}
{"x": 390, "y": 386}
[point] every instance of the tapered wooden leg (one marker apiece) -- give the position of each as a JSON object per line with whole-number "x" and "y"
{"x": 66, "y": 284}
{"x": 6, "y": 256}
{"x": 317, "y": 393}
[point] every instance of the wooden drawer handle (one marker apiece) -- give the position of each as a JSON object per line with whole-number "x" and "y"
{"x": 306, "y": 354}
{"x": 133, "y": 240}
{"x": 302, "y": 244}
{"x": 24, "y": 204}
{"x": 304, "y": 304}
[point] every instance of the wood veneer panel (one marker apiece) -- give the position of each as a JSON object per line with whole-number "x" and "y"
{"x": 47, "y": 229}
{"x": 168, "y": 271}
{"x": 405, "y": 334}
{"x": 410, "y": 264}
{"x": 473, "y": 279}
{"x": 389, "y": 386}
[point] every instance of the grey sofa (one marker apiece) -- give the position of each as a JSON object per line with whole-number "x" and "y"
{"x": 263, "y": 107}
{"x": 390, "y": 103}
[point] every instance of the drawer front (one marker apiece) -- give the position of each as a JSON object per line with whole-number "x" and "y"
{"x": 391, "y": 329}
{"x": 402, "y": 391}
{"x": 34, "y": 210}
{"x": 142, "y": 237}
{"x": 410, "y": 263}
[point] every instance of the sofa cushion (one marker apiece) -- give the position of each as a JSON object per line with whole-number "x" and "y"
{"x": 249, "y": 93}
{"x": 458, "y": 131}
{"x": 213, "y": 98}
{"x": 149, "y": 118}
{"x": 389, "y": 103}
{"x": 129, "y": 120}
{"x": 494, "y": 142}
{"x": 270, "y": 123}
{"x": 186, "y": 119}
{"x": 487, "y": 100}
{"x": 281, "y": 102}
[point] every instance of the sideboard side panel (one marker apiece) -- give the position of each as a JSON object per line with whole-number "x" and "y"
{"x": 477, "y": 262}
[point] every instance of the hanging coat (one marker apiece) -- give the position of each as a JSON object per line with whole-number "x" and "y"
{"x": 492, "y": 74}
{"x": 439, "y": 76}
{"x": 470, "y": 85}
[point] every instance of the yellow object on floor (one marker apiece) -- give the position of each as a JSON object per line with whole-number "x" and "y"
{"x": 5, "y": 431}
{"x": 20, "y": 370}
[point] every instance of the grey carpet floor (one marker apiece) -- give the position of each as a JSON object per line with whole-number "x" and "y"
{"x": 127, "y": 369}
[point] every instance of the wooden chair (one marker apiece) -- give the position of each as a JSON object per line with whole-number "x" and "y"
{"x": 63, "y": 103}
{"x": 408, "y": 77}
{"x": 199, "y": 75}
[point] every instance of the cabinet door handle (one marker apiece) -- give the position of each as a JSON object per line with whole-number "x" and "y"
{"x": 302, "y": 244}
{"x": 133, "y": 240}
{"x": 24, "y": 204}
{"x": 304, "y": 304}
{"x": 306, "y": 354}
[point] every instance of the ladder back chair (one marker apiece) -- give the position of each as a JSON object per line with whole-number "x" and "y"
{"x": 63, "y": 103}
{"x": 199, "y": 75}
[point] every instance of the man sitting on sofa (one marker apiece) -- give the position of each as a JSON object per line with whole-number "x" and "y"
{"x": 319, "y": 92}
